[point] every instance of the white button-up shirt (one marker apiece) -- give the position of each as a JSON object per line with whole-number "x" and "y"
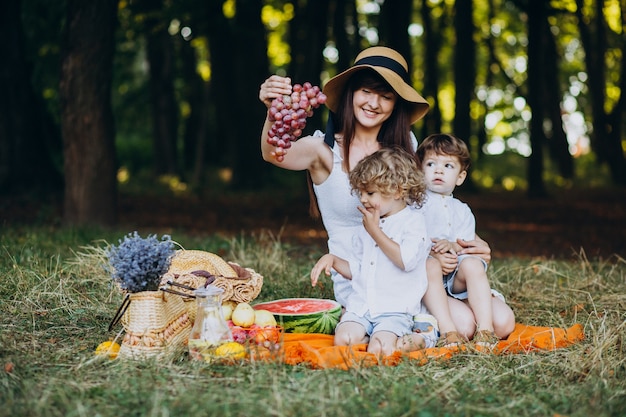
{"x": 378, "y": 285}
{"x": 448, "y": 218}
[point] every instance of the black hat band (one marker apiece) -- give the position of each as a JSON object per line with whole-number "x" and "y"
{"x": 383, "y": 61}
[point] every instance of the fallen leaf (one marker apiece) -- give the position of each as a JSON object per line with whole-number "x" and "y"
{"x": 8, "y": 367}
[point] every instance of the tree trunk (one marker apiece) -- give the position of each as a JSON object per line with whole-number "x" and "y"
{"x": 464, "y": 74}
{"x": 395, "y": 18}
{"x": 464, "y": 68}
{"x": 557, "y": 139}
{"x": 87, "y": 118}
{"x": 29, "y": 139}
{"x": 195, "y": 129}
{"x": 160, "y": 54}
{"x": 222, "y": 59}
{"x": 612, "y": 141}
{"x": 432, "y": 43}
{"x": 536, "y": 67}
{"x": 492, "y": 62}
{"x": 604, "y": 141}
{"x": 616, "y": 116}
{"x": 345, "y": 30}
{"x": 250, "y": 71}
{"x": 307, "y": 41}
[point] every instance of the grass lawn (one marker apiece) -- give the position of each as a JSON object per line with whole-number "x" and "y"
{"x": 57, "y": 302}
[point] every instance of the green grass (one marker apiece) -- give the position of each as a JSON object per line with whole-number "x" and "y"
{"x": 56, "y": 304}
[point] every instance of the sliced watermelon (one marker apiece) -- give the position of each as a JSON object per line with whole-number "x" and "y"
{"x": 304, "y": 315}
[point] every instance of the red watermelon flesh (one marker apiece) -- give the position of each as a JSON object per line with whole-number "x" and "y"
{"x": 304, "y": 315}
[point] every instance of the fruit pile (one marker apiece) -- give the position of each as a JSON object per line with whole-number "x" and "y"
{"x": 250, "y": 326}
{"x": 288, "y": 115}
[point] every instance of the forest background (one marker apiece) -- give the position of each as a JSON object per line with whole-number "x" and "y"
{"x": 146, "y": 112}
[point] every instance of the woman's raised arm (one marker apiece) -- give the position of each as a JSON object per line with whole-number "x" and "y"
{"x": 305, "y": 153}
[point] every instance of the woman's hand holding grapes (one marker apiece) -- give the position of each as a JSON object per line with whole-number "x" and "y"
{"x": 288, "y": 110}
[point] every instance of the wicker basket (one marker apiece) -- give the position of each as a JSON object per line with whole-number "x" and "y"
{"x": 156, "y": 324}
{"x": 241, "y": 285}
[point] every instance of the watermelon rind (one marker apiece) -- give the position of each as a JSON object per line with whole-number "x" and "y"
{"x": 323, "y": 321}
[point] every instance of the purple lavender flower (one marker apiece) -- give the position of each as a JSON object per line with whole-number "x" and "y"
{"x": 137, "y": 263}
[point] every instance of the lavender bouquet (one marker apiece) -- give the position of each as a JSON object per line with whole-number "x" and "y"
{"x": 137, "y": 263}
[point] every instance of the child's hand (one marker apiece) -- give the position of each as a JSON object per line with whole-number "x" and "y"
{"x": 442, "y": 246}
{"x": 371, "y": 218}
{"x": 325, "y": 265}
{"x": 448, "y": 262}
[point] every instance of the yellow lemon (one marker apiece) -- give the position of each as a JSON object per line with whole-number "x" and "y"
{"x": 231, "y": 350}
{"x": 108, "y": 348}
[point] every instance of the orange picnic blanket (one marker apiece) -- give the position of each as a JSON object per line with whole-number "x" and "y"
{"x": 317, "y": 350}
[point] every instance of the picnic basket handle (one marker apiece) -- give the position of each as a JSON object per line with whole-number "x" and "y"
{"x": 182, "y": 294}
{"x": 120, "y": 311}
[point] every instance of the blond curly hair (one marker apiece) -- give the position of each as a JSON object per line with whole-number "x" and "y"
{"x": 390, "y": 170}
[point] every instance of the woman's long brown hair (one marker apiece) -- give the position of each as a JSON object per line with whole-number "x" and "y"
{"x": 395, "y": 131}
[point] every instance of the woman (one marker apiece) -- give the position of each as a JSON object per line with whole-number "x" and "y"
{"x": 372, "y": 105}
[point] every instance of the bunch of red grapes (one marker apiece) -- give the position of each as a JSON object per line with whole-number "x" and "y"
{"x": 288, "y": 115}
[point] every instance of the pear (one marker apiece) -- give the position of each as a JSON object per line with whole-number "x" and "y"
{"x": 264, "y": 318}
{"x": 243, "y": 315}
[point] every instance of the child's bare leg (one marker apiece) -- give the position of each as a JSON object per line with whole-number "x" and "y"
{"x": 436, "y": 298}
{"x": 350, "y": 333}
{"x": 503, "y": 318}
{"x": 463, "y": 317}
{"x": 472, "y": 277}
{"x": 382, "y": 343}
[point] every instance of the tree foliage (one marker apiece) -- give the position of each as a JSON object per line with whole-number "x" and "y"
{"x": 543, "y": 80}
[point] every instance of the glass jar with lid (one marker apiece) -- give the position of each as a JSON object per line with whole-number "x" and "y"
{"x": 210, "y": 329}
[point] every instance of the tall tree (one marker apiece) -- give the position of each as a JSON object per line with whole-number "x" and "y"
{"x": 87, "y": 118}
{"x": 307, "y": 39}
{"x": 536, "y": 85}
{"x": 222, "y": 60}
{"x": 345, "y": 31}
{"x": 433, "y": 39}
{"x": 556, "y": 137}
{"x": 164, "y": 106}
{"x": 464, "y": 72}
{"x": 395, "y": 18}
{"x": 607, "y": 127}
{"x": 29, "y": 138}
{"x": 239, "y": 64}
{"x": 250, "y": 71}
{"x": 464, "y": 67}
{"x": 196, "y": 129}
{"x": 491, "y": 66}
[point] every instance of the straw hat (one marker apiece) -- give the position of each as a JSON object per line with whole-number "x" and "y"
{"x": 391, "y": 66}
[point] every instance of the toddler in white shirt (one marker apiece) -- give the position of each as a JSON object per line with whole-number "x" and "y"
{"x": 388, "y": 263}
{"x": 445, "y": 161}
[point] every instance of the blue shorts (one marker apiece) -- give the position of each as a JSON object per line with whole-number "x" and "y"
{"x": 399, "y": 324}
{"x": 448, "y": 280}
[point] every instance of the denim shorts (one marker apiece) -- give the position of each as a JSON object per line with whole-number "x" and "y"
{"x": 448, "y": 280}
{"x": 396, "y": 323}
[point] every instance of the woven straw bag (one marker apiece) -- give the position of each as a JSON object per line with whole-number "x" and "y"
{"x": 156, "y": 324}
{"x": 188, "y": 267}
